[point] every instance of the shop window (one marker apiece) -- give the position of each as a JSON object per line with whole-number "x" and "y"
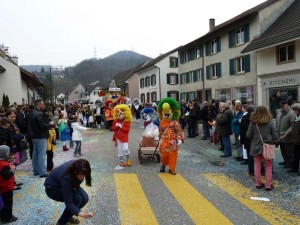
{"x": 223, "y": 94}
{"x": 286, "y": 53}
{"x": 153, "y": 96}
{"x": 244, "y": 94}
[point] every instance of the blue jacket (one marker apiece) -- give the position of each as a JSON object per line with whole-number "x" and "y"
{"x": 65, "y": 135}
{"x": 235, "y": 123}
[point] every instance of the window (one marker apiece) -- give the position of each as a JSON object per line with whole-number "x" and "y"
{"x": 286, "y": 53}
{"x": 172, "y": 78}
{"x": 191, "y": 78}
{"x": 173, "y": 94}
{"x": 143, "y": 98}
{"x": 147, "y": 81}
{"x": 239, "y": 36}
{"x": 239, "y": 65}
{"x": 244, "y": 93}
{"x": 173, "y": 62}
{"x": 213, "y": 46}
{"x": 185, "y": 59}
{"x": 198, "y": 52}
{"x": 183, "y": 78}
{"x": 153, "y": 80}
{"x": 142, "y": 83}
{"x": 192, "y": 95}
{"x": 223, "y": 94}
{"x": 199, "y": 74}
{"x": 213, "y": 71}
{"x": 153, "y": 97}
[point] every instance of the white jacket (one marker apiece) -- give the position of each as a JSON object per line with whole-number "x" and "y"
{"x": 77, "y": 129}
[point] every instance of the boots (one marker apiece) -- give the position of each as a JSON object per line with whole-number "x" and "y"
{"x": 65, "y": 148}
{"x": 162, "y": 169}
{"x": 173, "y": 172}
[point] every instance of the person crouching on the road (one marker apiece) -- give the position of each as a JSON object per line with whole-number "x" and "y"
{"x": 63, "y": 185}
{"x": 7, "y": 184}
{"x": 121, "y": 128}
{"x": 171, "y": 134}
{"x": 76, "y": 135}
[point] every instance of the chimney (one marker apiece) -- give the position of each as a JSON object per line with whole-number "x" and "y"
{"x": 211, "y": 24}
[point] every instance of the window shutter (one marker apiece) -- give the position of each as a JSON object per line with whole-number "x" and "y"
{"x": 187, "y": 96}
{"x": 168, "y": 94}
{"x": 170, "y": 62}
{"x": 176, "y": 78}
{"x": 231, "y": 39}
{"x": 187, "y": 78}
{"x": 247, "y": 63}
{"x": 202, "y": 74}
{"x": 181, "y": 75}
{"x": 246, "y": 33}
{"x": 231, "y": 67}
{"x": 219, "y": 69}
{"x": 176, "y": 62}
{"x": 177, "y": 96}
{"x": 181, "y": 58}
{"x": 168, "y": 78}
{"x": 201, "y": 50}
{"x": 195, "y": 75}
{"x": 207, "y": 49}
{"x": 218, "y": 44}
{"x": 190, "y": 55}
{"x": 207, "y": 72}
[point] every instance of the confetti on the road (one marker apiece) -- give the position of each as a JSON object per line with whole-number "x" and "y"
{"x": 260, "y": 199}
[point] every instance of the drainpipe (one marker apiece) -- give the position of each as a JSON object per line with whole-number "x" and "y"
{"x": 159, "y": 83}
{"x": 203, "y": 85}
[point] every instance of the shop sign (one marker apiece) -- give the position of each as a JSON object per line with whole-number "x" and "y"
{"x": 280, "y": 81}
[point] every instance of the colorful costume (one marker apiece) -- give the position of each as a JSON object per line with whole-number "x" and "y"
{"x": 171, "y": 134}
{"x": 121, "y": 128}
{"x": 151, "y": 123}
{"x": 109, "y": 113}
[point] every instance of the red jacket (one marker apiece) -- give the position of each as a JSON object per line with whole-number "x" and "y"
{"x": 6, "y": 185}
{"x": 121, "y": 133}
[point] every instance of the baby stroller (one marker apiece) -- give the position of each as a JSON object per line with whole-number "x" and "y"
{"x": 148, "y": 147}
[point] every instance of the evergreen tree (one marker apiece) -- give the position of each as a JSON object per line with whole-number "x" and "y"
{"x": 5, "y": 101}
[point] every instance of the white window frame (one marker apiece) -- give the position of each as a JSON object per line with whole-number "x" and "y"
{"x": 214, "y": 46}
{"x": 173, "y": 95}
{"x": 183, "y": 96}
{"x": 240, "y": 65}
{"x": 197, "y": 53}
{"x": 213, "y": 71}
{"x": 286, "y": 47}
{"x": 191, "y": 78}
{"x": 172, "y": 78}
{"x": 240, "y": 36}
{"x": 198, "y": 74}
{"x": 184, "y": 79}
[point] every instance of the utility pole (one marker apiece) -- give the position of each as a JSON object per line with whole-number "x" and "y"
{"x": 51, "y": 86}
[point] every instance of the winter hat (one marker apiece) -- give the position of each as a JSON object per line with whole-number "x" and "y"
{"x": 4, "y": 152}
{"x": 250, "y": 108}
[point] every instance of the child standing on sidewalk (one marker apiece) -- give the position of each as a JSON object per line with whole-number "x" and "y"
{"x": 76, "y": 135}
{"x": 7, "y": 183}
{"x": 51, "y": 147}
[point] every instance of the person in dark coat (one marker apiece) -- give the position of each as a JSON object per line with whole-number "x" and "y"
{"x": 245, "y": 121}
{"x": 204, "y": 118}
{"x": 192, "y": 120}
{"x": 63, "y": 185}
{"x": 224, "y": 121}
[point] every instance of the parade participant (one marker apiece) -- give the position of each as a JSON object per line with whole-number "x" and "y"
{"x": 109, "y": 113}
{"x": 51, "y": 147}
{"x": 98, "y": 113}
{"x": 150, "y": 135}
{"x": 171, "y": 134}
{"x": 63, "y": 185}
{"x": 121, "y": 128}
{"x": 7, "y": 185}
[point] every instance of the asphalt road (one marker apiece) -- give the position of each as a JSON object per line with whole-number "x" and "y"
{"x": 206, "y": 190}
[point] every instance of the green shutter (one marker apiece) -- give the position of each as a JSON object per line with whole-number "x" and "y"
{"x": 190, "y": 55}
{"x": 181, "y": 58}
{"x": 218, "y": 44}
{"x": 168, "y": 78}
{"x": 176, "y": 62}
{"x": 187, "y": 96}
{"x": 187, "y": 78}
{"x": 177, "y": 96}
{"x": 176, "y": 78}
{"x": 207, "y": 49}
{"x": 231, "y": 39}
{"x": 195, "y": 75}
{"x": 219, "y": 69}
{"x": 246, "y": 33}
{"x": 207, "y": 72}
{"x": 231, "y": 66}
{"x": 201, "y": 51}
{"x": 168, "y": 94}
{"x": 247, "y": 63}
{"x": 181, "y": 75}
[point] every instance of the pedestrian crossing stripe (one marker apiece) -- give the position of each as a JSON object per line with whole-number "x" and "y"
{"x": 267, "y": 210}
{"x": 200, "y": 210}
{"x": 134, "y": 207}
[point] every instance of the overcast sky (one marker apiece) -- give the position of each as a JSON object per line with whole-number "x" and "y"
{"x": 65, "y": 32}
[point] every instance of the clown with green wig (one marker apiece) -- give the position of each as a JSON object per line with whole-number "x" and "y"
{"x": 171, "y": 134}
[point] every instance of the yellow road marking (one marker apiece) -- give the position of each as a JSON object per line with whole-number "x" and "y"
{"x": 267, "y": 210}
{"x": 133, "y": 204}
{"x": 200, "y": 210}
{"x": 88, "y": 191}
